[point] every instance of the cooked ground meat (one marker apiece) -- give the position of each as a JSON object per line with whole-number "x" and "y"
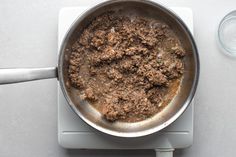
{"x": 126, "y": 68}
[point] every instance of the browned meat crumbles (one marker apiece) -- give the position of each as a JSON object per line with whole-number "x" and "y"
{"x": 127, "y": 68}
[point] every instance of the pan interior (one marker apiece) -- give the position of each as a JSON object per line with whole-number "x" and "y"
{"x": 173, "y": 109}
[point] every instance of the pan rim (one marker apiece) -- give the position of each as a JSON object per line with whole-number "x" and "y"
{"x": 143, "y": 132}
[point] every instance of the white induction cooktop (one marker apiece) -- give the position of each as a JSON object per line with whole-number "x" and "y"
{"x": 74, "y": 133}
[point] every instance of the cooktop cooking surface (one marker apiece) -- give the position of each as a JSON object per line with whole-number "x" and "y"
{"x": 74, "y": 133}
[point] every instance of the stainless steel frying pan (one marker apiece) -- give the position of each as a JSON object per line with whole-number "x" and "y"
{"x": 83, "y": 109}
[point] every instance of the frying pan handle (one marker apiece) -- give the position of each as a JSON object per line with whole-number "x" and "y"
{"x": 164, "y": 152}
{"x": 8, "y": 76}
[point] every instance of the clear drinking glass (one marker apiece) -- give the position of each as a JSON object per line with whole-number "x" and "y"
{"x": 227, "y": 33}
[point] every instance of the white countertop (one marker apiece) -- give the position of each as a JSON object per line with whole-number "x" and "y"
{"x": 28, "y": 114}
